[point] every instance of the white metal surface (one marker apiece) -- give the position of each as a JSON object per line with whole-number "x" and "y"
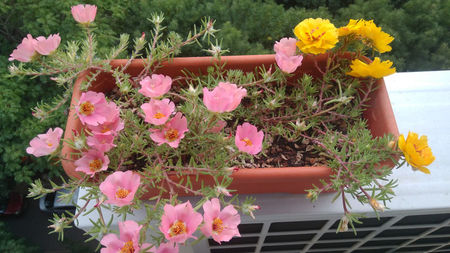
{"x": 421, "y": 103}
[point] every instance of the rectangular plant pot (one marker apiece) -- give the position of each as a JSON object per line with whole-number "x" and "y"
{"x": 379, "y": 115}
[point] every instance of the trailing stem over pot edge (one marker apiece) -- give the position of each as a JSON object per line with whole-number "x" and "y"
{"x": 169, "y": 131}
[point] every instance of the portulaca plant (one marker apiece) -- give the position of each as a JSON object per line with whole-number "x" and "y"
{"x": 152, "y": 127}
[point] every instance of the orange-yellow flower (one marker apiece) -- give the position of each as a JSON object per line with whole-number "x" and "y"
{"x": 369, "y": 33}
{"x": 376, "y": 69}
{"x": 416, "y": 151}
{"x": 378, "y": 39}
{"x": 353, "y": 26}
{"x": 316, "y": 36}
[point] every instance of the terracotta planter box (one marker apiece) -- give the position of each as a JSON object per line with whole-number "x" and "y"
{"x": 258, "y": 180}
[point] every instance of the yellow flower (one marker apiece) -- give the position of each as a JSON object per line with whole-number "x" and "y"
{"x": 369, "y": 33}
{"x": 376, "y": 69}
{"x": 353, "y": 26}
{"x": 416, "y": 151}
{"x": 316, "y": 36}
{"x": 376, "y": 38}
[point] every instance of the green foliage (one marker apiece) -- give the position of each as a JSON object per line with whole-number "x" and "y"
{"x": 11, "y": 243}
{"x": 18, "y": 126}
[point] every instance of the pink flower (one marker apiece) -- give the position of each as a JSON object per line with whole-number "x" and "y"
{"x": 101, "y": 142}
{"x": 221, "y": 225}
{"x": 224, "y": 98}
{"x": 286, "y": 46}
{"x": 84, "y": 13}
{"x": 172, "y": 132}
{"x": 157, "y": 112}
{"x": 179, "y": 222}
{"x": 112, "y": 125}
{"x": 25, "y": 50}
{"x": 156, "y": 86}
{"x": 167, "y": 248}
{"x": 45, "y": 144}
{"x": 217, "y": 127}
{"x": 128, "y": 240}
{"x": 287, "y": 63}
{"x": 120, "y": 187}
{"x": 47, "y": 46}
{"x": 92, "y": 108}
{"x": 248, "y": 139}
{"x": 92, "y": 162}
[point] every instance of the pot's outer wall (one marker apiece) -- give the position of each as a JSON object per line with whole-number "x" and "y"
{"x": 379, "y": 115}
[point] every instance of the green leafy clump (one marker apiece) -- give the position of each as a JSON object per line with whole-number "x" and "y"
{"x": 11, "y": 243}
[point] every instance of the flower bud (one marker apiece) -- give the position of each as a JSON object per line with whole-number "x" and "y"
{"x": 391, "y": 144}
{"x": 249, "y": 209}
{"x": 58, "y": 225}
{"x": 344, "y": 224}
{"x": 222, "y": 190}
{"x": 79, "y": 142}
{"x": 376, "y": 205}
{"x": 267, "y": 76}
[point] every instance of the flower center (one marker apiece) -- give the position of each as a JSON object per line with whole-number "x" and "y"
{"x": 105, "y": 129}
{"x": 95, "y": 165}
{"x": 419, "y": 150}
{"x": 122, "y": 193}
{"x": 177, "y": 228}
{"x": 49, "y": 144}
{"x": 86, "y": 108}
{"x": 159, "y": 115}
{"x": 217, "y": 225}
{"x": 247, "y": 141}
{"x": 314, "y": 37}
{"x": 171, "y": 134}
{"x": 127, "y": 247}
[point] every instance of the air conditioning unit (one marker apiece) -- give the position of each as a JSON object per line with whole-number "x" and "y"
{"x": 418, "y": 218}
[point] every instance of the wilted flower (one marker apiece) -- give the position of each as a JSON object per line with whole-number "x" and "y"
{"x": 221, "y": 225}
{"x": 376, "y": 205}
{"x": 120, "y": 187}
{"x": 217, "y": 127}
{"x": 344, "y": 224}
{"x": 223, "y": 190}
{"x": 416, "y": 150}
{"x": 179, "y": 222}
{"x": 84, "y": 13}
{"x": 45, "y": 144}
{"x": 248, "y": 139}
{"x": 250, "y": 209}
